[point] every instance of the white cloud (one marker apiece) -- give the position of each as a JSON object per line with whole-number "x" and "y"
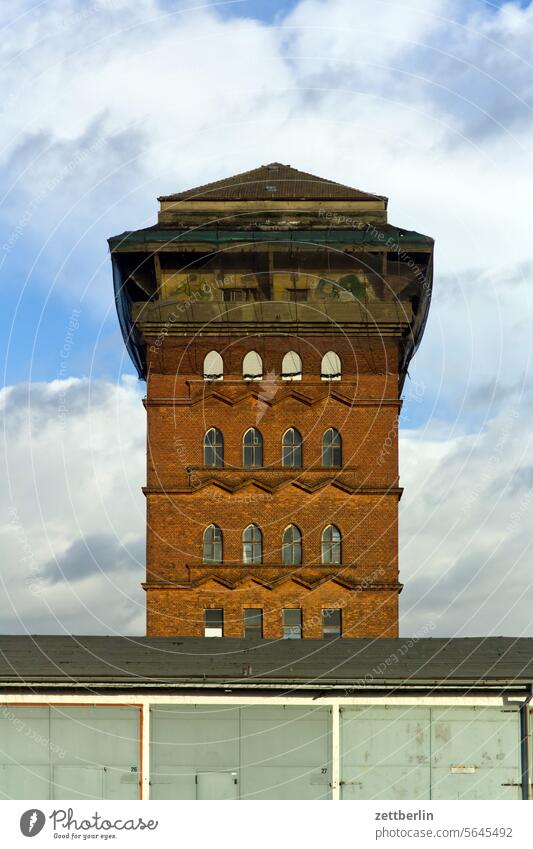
{"x": 466, "y": 547}
{"x": 335, "y": 35}
{"x": 477, "y": 344}
{"x": 73, "y": 513}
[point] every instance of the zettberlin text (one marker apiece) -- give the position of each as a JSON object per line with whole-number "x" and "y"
{"x": 403, "y": 815}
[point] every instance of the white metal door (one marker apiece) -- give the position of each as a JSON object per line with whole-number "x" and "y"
{"x": 216, "y": 785}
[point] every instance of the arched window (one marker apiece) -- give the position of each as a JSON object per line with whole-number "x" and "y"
{"x": 213, "y": 366}
{"x": 291, "y": 366}
{"x": 252, "y": 366}
{"x": 331, "y": 448}
{"x": 292, "y": 546}
{"x": 292, "y": 448}
{"x": 252, "y": 449}
{"x": 331, "y": 366}
{"x": 252, "y": 545}
{"x": 212, "y": 544}
{"x": 213, "y": 448}
{"x": 331, "y": 545}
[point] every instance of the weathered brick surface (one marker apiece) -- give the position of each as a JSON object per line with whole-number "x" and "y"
{"x": 368, "y": 524}
{"x": 361, "y": 498}
{"x": 364, "y": 613}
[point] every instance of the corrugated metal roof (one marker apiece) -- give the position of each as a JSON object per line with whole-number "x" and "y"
{"x": 311, "y": 663}
{"x": 274, "y": 181}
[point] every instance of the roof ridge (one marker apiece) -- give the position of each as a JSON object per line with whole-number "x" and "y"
{"x": 226, "y": 179}
{"x": 280, "y": 179}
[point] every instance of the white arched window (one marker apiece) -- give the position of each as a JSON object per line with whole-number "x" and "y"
{"x": 331, "y": 545}
{"x": 331, "y": 366}
{"x": 213, "y": 366}
{"x": 291, "y": 366}
{"x": 252, "y": 366}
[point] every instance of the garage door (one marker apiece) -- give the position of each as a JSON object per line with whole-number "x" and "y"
{"x": 69, "y": 752}
{"x": 252, "y": 752}
{"x": 430, "y": 753}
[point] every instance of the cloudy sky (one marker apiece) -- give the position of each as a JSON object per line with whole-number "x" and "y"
{"x": 108, "y": 104}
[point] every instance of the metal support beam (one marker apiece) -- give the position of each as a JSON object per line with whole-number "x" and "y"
{"x": 335, "y": 752}
{"x": 145, "y": 750}
{"x": 525, "y": 743}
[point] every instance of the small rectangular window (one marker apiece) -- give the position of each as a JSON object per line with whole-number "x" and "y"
{"x": 214, "y": 622}
{"x": 253, "y": 622}
{"x": 297, "y": 295}
{"x": 331, "y": 622}
{"x": 239, "y": 294}
{"x": 292, "y": 623}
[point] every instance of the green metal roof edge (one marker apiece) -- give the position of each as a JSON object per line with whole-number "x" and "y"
{"x": 387, "y": 235}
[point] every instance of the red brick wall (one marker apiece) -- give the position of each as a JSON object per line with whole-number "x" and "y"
{"x": 361, "y": 498}
{"x": 181, "y": 612}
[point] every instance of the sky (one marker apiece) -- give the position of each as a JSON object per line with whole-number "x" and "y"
{"x": 109, "y": 104}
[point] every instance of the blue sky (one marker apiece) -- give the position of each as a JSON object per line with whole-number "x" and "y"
{"x": 109, "y": 104}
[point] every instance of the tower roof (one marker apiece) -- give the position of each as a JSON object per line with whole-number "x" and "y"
{"x": 274, "y": 181}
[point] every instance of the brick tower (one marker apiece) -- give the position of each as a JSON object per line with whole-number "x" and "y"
{"x": 273, "y": 315}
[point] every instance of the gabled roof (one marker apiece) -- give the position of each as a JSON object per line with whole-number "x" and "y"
{"x": 274, "y": 181}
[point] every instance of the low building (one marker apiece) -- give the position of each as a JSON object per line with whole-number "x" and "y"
{"x": 187, "y": 718}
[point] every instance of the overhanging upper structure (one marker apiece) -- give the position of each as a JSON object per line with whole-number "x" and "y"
{"x": 358, "y": 271}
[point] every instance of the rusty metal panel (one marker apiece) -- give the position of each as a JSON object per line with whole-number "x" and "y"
{"x": 475, "y": 753}
{"x": 385, "y": 753}
{"x": 423, "y": 753}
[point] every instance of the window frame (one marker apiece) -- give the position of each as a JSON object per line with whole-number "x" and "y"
{"x": 218, "y": 455}
{"x": 256, "y": 545}
{"x": 257, "y": 631}
{"x": 256, "y": 448}
{"x": 216, "y": 375}
{"x": 327, "y": 630}
{"x": 289, "y": 630}
{"x": 216, "y": 545}
{"x": 293, "y": 546}
{"x": 331, "y": 375}
{"x": 291, "y": 375}
{"x": 218, "y": 624}
{"x": 333, "y": 449}
{"x": 294, "y": 449}
{"x": 331, "y": 549}
{"x": 250, "y": 376}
